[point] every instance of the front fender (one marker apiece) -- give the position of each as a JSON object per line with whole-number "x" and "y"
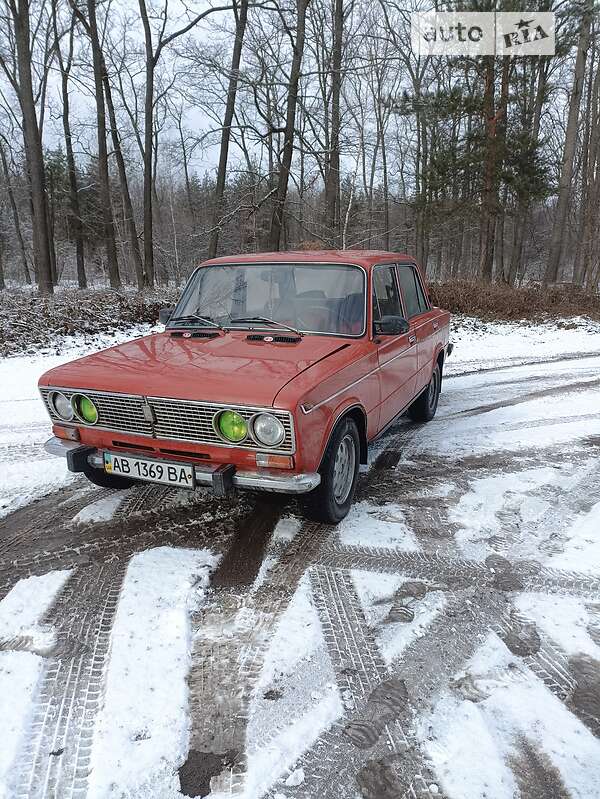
{"x": 315, "y": 427}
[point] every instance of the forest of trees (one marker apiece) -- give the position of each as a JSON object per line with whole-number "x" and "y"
{"x": 137, "y": 139}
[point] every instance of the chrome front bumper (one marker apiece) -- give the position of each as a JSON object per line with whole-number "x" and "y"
{"x": 284, "y": 483}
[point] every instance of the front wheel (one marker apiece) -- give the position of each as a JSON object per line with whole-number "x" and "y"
{"x": 424, "y": 407}
{"x": 100, "y": 478}
{"x": 331, "y": 500}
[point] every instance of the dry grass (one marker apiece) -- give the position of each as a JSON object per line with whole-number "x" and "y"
{"x": 28, "y": 321}
{"x": 499, "y": 302}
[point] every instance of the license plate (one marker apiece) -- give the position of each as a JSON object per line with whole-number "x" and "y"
{"x": 172, "y": 474}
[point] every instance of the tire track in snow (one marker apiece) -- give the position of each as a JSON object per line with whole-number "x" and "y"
{"x": 373, "y": 748}
{"x": 72, "y": 546}
{"x": 222, "y": 675}
{"x": 566, "y": 357}
{"x": 225, "y": 672}
{"x": 458, "y": 572}
{"x": 574, "y": 680}
{"x": 54, "y": 760}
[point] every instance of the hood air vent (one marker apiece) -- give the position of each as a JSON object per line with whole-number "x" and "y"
{"x": 193, "y": 334}
{"x": 276, "y": 339}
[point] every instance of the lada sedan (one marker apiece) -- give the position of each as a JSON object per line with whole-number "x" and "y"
{"x": 273, "y": 373}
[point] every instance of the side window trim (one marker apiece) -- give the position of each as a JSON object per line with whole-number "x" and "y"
{"x": 416, "y": 277}
{"x": 421, "y": 286}
{"x": 394, "y": 268}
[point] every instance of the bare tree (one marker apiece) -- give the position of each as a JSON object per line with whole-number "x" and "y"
{"x": 17, "y": 67}
{"x": 566, "y": 173}
{"x": 65, "y": 65}
{"x": 241, "y": 15}
{"x": 290, "y": 122}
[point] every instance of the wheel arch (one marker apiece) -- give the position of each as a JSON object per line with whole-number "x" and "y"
{"x": 359, "y": 415}
{"x": 439, "y": 359}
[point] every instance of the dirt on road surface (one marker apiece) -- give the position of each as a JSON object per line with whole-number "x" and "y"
{"x": 444, "y": 640}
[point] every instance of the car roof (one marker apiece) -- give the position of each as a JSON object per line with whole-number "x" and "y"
{"x": 364, "y": 258}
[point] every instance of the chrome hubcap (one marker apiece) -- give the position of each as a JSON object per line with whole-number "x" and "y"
{"x": 343, "y": 469}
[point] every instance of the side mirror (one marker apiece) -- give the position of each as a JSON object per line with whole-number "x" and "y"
{"x": 165, "y": 314}
{"x": 392, "y": 326}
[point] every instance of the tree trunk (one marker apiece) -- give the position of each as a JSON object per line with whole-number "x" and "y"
{"x": 76, "y": 226}
{"x": 332, "y": 183}
{"x": 148, "y": 146}
{"x": 290, "y": 123}
{"x": 16, "y": 218}
{"x": 33, "y": 150}
{"x": 127, "y": 204}
{"x": 559, "y": 228}
{"x": 103, "y": 176}
{"x": 494, "y": 123}
{"x": 240, "y": 29}
{"x": 523, "y": 205}
{"x": 590, "y": 183}
{"x": 2, "y": 282}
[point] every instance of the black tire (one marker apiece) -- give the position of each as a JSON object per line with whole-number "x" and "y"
{"x": 104, "y": 480}
{"x": 331, "y": 500}
{"x": 424, "y": 407}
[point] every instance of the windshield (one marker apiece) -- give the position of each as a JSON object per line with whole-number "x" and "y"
{"x": 314, "y": 298}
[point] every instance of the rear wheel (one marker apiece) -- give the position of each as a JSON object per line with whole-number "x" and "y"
{"x": 331, "y": 500}
{"x": 424, "y": 407}
{"x": 101, "y": 478}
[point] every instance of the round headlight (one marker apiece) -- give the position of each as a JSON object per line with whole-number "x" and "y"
{"x": 84, "y": 408}
{"x": 62, "y": 406}
{"x": 232, "y": 426}
{"x": 268, "y": 429}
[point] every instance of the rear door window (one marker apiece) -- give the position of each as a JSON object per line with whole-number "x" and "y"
{"x": 412, "y": 292}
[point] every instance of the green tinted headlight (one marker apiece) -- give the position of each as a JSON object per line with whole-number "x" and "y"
{"x": 232, "y": 426}
{"x": 85, "y": 408}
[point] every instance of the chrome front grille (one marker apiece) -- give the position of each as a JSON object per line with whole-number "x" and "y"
{"x": 175, "y": 420}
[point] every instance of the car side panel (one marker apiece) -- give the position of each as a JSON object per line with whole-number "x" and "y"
{"x": 426, "y": 329}
{"x": 397, "y": 371}
{"x": 321, "y": 394}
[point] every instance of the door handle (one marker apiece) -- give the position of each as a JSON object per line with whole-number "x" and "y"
{"x": 412, "y": 339}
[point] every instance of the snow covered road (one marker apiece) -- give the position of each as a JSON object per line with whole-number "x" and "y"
{"x": 444, "y": 640}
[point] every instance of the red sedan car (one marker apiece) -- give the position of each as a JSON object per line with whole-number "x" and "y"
{"x": 273, "y": 373}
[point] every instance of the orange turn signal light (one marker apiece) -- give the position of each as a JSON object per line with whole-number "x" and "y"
{"x": 274, "y": 461}
{"x": 70, "y": 433}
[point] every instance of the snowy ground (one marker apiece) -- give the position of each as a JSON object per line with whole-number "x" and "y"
{"x": 444, "y": 640}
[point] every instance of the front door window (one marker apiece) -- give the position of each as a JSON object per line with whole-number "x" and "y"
{"x": 386, "y": 296}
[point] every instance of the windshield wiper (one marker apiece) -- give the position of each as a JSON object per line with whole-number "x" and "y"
{"x": 196, "y": 317}
{"x": 267, "y": 321}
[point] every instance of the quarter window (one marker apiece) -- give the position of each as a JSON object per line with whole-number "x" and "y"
{"x": 386, "y": 297}
{"x": 412, "y": 293}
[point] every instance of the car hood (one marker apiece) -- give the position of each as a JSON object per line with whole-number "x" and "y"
{"x": 226, "y": 369}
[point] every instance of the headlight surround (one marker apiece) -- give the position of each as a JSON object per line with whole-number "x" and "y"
{"x": 62, "y": 407}
{"x": 84, "y": 408}
{"x": 231, "y": 426}
{"x": 267, "y": 429}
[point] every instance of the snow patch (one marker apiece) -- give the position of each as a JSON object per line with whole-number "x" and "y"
{"x": 582, "y": 549}
{"x": 564, "y": 619}
{"x": 100, "y": 511}
{"x": 478, "y": 343}
{"x": 373, "y": 526}
{"x": 20, "y": 613}
{"x": 475, "y": 744}
{"x": 297, "y": 637}
{"x": 141, "y": 733}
